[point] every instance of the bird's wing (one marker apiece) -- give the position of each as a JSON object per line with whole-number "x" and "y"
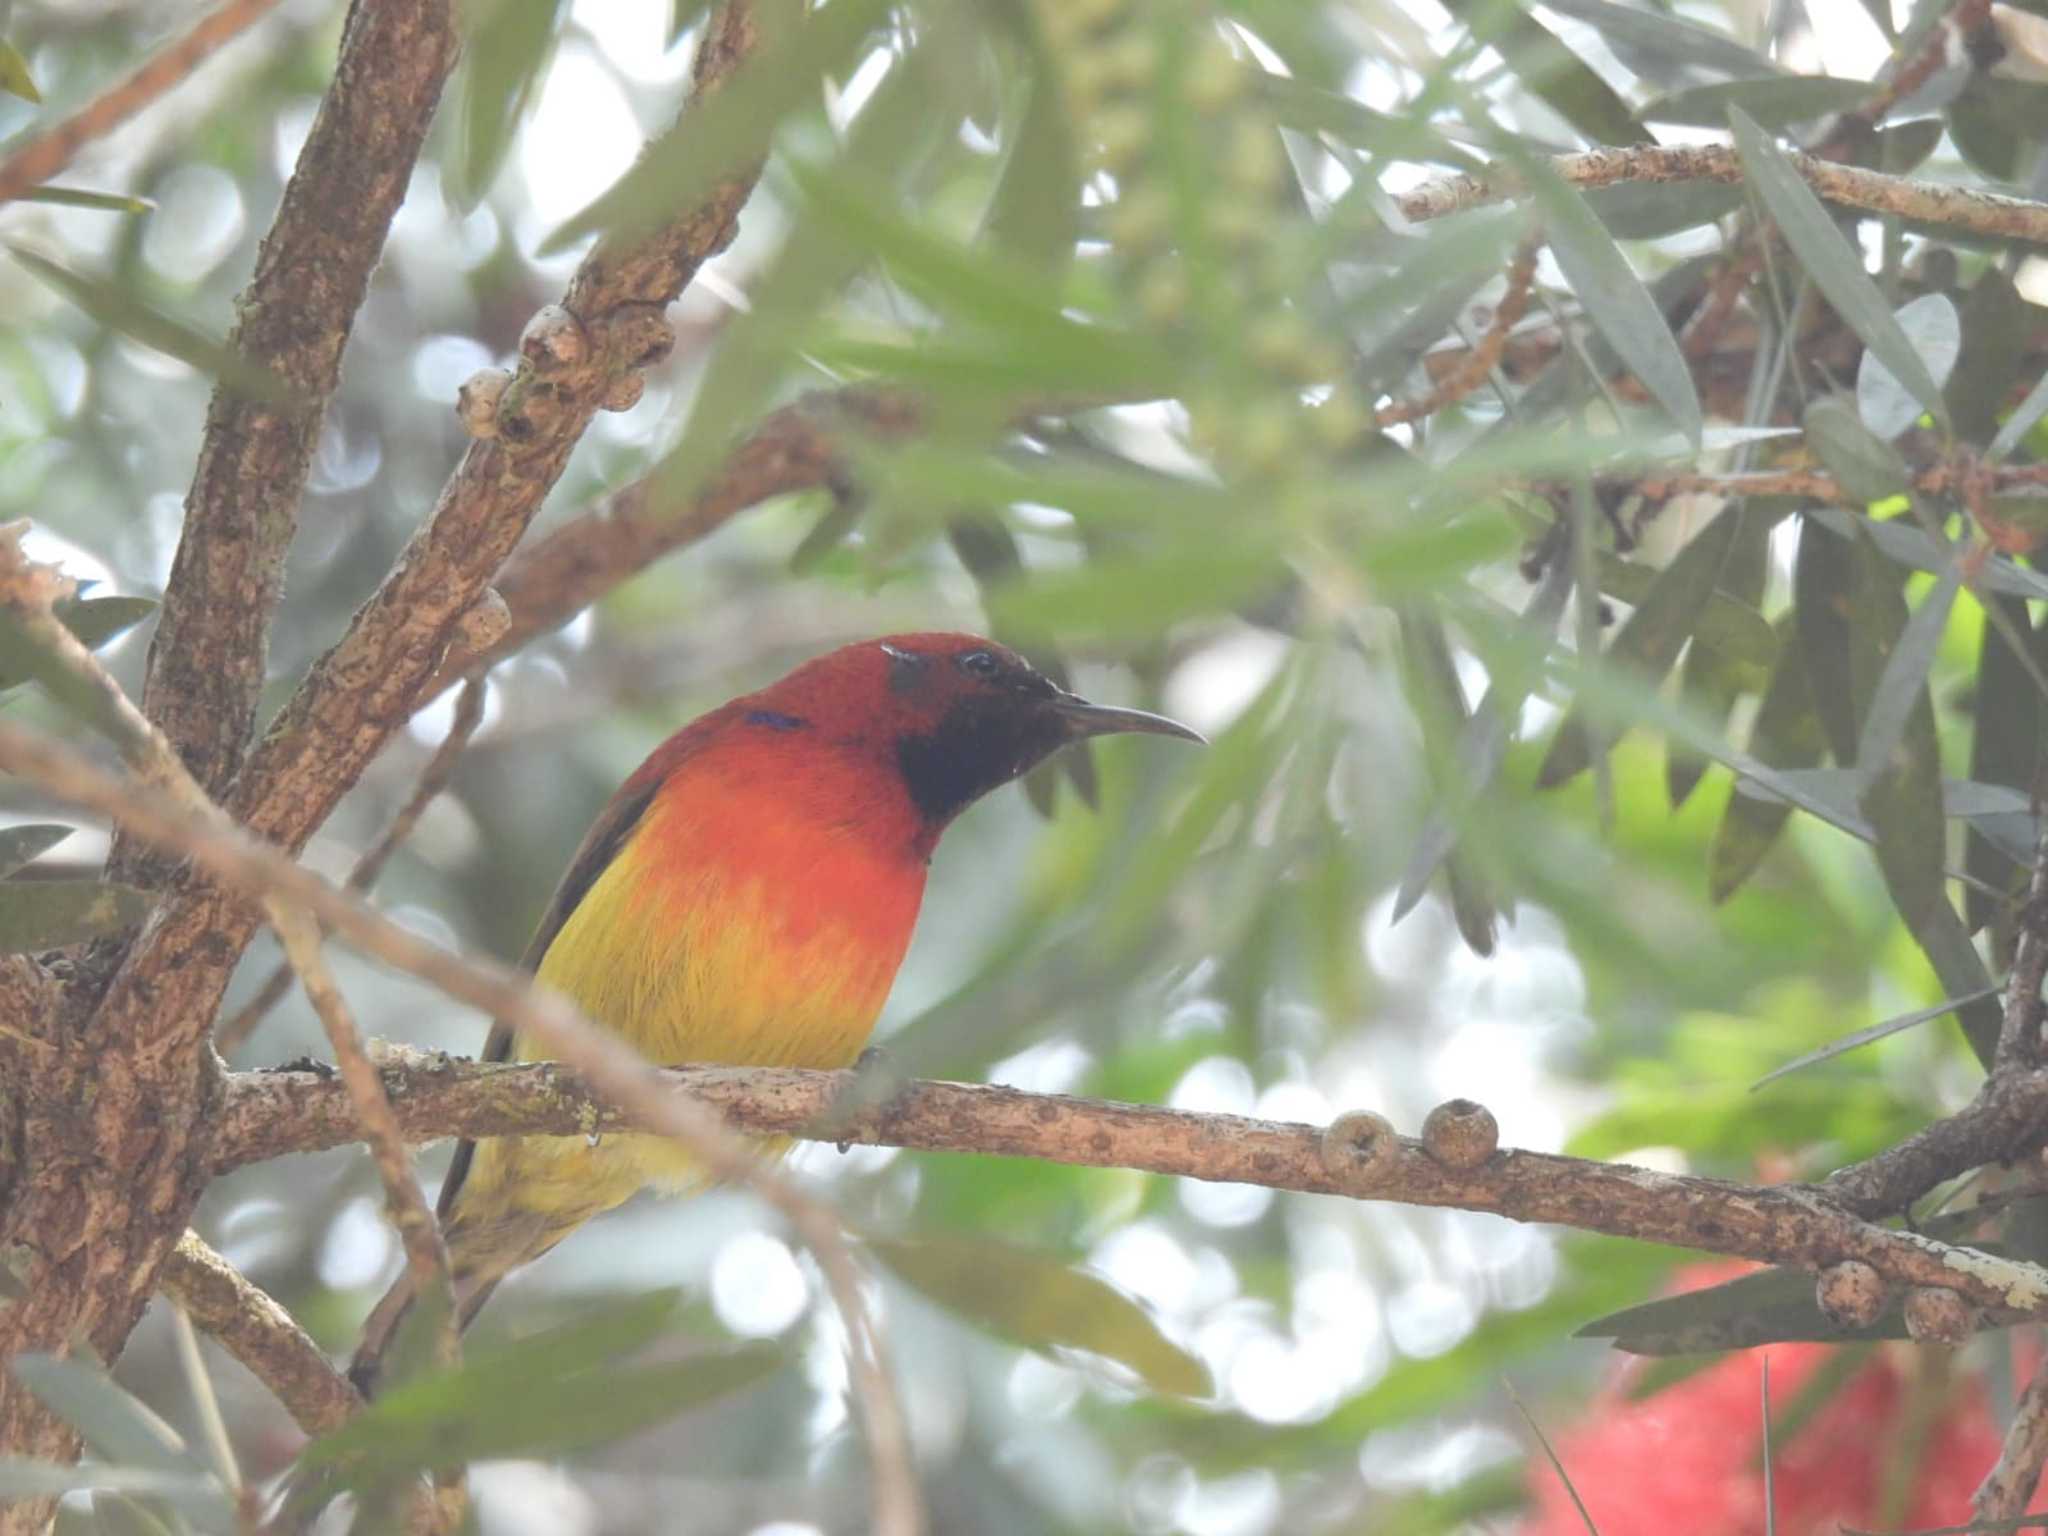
{"x": 601, "y": 844}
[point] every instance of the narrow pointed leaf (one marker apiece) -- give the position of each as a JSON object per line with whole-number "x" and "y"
{"x": 506, "y": 47}
{"x": 1868, "y": 467}
{"x": 1036, "y": 213}
{"x": 1831, "y": 261}
{"x": 1903, "y": 683}
{"x": 1788, "y": 734}
{"x": 1680, "y": 43}
{"x": 2020, "y": 422}
{"x": 114, "y": 1423}
{"x": 1903, "y": 544}
{"x": 1710, "y": 679}
{"x": 1649, "y": 640}
{"x": 81, "y": 197}
{"x": 1994, "y": 324}
{"x": 49, "y": 914}
{"x": 1727, "y": 623}
{"x": 1560, "y": 77}
{"x": 2004, "y": 738}
{"x": 15, "y": 78}
{"x": 28, "y": 842}
{"x": 729, "y": 130}
{"x": 1036, "y": 1301}
{"x": 1438, "y": 699}
{"x": 22, "y": 1477}
{"x": 118, "y": 1514}
{"x": 1649, "y": 210}
{"x": 1934, "y": 329}
{"x": 115, "y": 307}
{"x": 1776, "y": 102}
{"x": 1875, "y": 1032}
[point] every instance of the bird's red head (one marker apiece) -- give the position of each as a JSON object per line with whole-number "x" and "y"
{"x": 943, "y": 717}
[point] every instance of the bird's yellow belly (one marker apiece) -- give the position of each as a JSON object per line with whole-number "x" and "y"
{"x": 691, "y": 961}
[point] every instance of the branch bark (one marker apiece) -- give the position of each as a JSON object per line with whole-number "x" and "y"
{"x": 1961, "y": 208}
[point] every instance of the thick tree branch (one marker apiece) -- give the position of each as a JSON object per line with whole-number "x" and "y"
{"x": 207, "y": 658}
{"x": 266, "y": 1114}
{"x": 261, "y": 1334}
{"x": 50, "y": 151}
{"x": 1962, "y": 208}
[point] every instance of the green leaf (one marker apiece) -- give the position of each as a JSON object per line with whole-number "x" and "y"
{"x": 1678, "y": 44}
{"x": 116, "y": 308}
{"x": 49, "y": 914}
{"x": 1935, "y": 331}
{"x": 2020, "y": 422}
{"x": 114, "y": 1423}
{"x": 15, "y": 78}
{"x": 96, "y": 620}
{"x": 1035, "y": 215}
{"x": 28, "y": 842}
{"x": 1132, "y": 597}
{"x": 22, "y": 1477}
{"x": 1903, "y": 684}
{"x": 728, "y": 131}
{"x": 1777, "y": 102}
{"x": 1831, "y": 261}
{"x": 1709, "y": 678}
{"x": 1732, "y": 626}
{"x": 1648, "y": 642}
{"x": 1037, "y": 1302}
{"x": 1867, "y": 466}
{"x": 487, "y": 1407}
{"x": 1765, "y": 1307}
{"x": 1309, "y": 109}
{"x": 1994, "y": 323}
{"x": 1614, "y": 296}
{"x": 1649, "y": 210}
{"x": 1437, "y": 696}
{"x": 2005, "y": 732}
{"x": 1788, "y": 734}
{"x": 506, "y": 48}
{"x": 1875, "y": 1032}
{"x": 1550, "y": 69}
{"x": 117, "y": 1514}
{"x": 81, "y": 197}
{"x": 1916, "y": 549}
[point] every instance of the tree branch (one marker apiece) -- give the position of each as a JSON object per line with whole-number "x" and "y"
{"x": 268, "y": 1114}
{"x": 261, "y": 1334}
{"x": 51, "y": 150}
{"x": 1963, "y": 208}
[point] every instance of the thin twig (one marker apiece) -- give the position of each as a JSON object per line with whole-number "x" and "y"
{"x": 51, "y": 150}
{"x": 1473, "y": 368}
{"x": 617, "y": 1071}
{"x": 253, "y": 1328}
{"x": 1962, "y": 208}
{"x": 2019, "y": 1037}
{"x": 2009, "y": 1486}
{"x": 433, "y": 779}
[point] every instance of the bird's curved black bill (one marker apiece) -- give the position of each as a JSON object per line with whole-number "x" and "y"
{"x": 1084, "y": 719}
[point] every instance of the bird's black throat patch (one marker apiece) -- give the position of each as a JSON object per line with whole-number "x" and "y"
{"x": 981, "y": 744}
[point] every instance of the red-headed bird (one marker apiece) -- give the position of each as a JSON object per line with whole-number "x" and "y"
{"x": 745, "y": 899}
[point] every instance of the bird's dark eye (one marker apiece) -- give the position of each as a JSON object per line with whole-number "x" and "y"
{"x": 980, "y": 663}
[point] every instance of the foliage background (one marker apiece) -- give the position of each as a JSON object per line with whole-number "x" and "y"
{"x": 1237, "y": 550}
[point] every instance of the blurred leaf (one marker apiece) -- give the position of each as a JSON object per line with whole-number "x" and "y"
{"x": 1917, "y": 550}
{"x": 1835, "y": 266}
{"x": 15, "y": 78}
{"x": 22, "y": 1477}
{"x": 1777, "y": 102}
{"x": 1999, "y": 124}
{"x": 1709, "y": 678}
{"x": 49, "y": 914}
{"x": 2004, "y": 740}
{"x": 2020, "y": 422}
{"x": 1788, "y": 734}
{"x": 1438, "y": 698}
{"x": 96, "y": 620}
{"x": 1868, "y": 467}
{"x": 114, "y": 1423}
{"x": 28, "y": 842}
{"x": 726, "y": 132}
{"x": 116, "y": 307}
{"x": 1903, "y": 148}
{"x": 1649, "y": 640}
{"x": 1994, "y": 342}
{"x": 116, "y": 1514}
{"x": 1036, "y": 212}
{"x": 506, "y": 48}
{"x": 80, "y": 197}
{"x": 1765, "y": 1307}
{"x": 1550, "y": 69}
{"x": 1483, "y": 740}
{"x": 1875, "y": 1032}
{"x": 1649, "y": 210}
{"x": 1038, "y": 1302}
{"x": 1614, "y": 296}
{"x": 682, "y": 16}
{"x": 1727, "y": 623}
{"x": 1935, "y": 331}
{"x": 488, "y": 1406}
{"x": 1127, "y": 597}
{"x": 1678, "y": 44}
{"x": 1903, "y": 684}
{"x": 1307, "y": 109}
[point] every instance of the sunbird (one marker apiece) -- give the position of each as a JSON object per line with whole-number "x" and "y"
{"x": 745, "y": 899}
